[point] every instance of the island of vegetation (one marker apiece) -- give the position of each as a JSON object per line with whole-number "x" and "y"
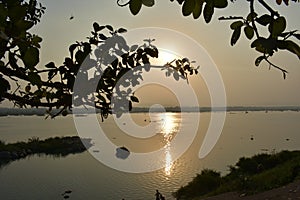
{"x": 57, "y": 146}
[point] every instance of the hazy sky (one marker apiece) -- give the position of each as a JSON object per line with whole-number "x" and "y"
{"x": 245, "y": 84}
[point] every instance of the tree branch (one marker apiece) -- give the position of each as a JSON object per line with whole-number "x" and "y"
{"x": 14, "y": 97}
{"x": 284, "y": 72}
{"x": 253, "y": 21}
{"x": 230, "y": 18}
{"x": 16, "y": 73}
{"x": 266, "y": 6}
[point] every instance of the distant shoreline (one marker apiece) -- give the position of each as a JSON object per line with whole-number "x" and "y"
{"x": 246, "y": 109}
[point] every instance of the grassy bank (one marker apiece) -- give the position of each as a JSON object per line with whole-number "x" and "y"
{"x": 57, "y": 146}
{"x": 248, "y": 176}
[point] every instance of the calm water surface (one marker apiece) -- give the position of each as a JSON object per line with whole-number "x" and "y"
{"x": 45, "y": 177}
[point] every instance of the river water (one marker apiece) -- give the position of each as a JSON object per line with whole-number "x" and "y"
{"x": 47, "y": 177}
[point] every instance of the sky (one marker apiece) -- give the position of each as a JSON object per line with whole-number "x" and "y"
{"x": 245, "y": 84}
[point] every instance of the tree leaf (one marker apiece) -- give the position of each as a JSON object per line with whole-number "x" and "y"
{"x": 297, "y": 36}
{"x": 102, "y": 36}
{"x": 109, "y": 27}
{"x": 249, "y": 32}
{"x": 236, "y": 25}
{"x": 135, "y": 6}
{"x": 36, "y": 40}
{"x": 34, "y": 78}
{"x": 16, "y": 13}
{"x": 148, "y": 3}
{"x": 96, "y": 27}
{"x": 72, "y": 48}
{"x": 264, "y": 20}
{"x": 257, "y": 42}
{"x": 134, "y": 99}
{"x": 50, "y": 65}
{"x": 12, "y": 60}
{"x": 251, "y": 16}
{"x": 188, "y": 7}
{"x": 220, "y": 3}
{"x": 176, "y": 75}
{"x": 4, "y": 87}
{"x": 258, "y": 60}
{"x": 208, "y": 11}
{"x": 260, "y": 44}
{"x": 235, "y": 36}
{"x": 278, "y": 26}
{"x": 122, "y": 30}
{"x": 198, "y": 8}
{"x": 293, "y": 47}
{"x": 31, "y": 57}
{"x": 134, "y": 47}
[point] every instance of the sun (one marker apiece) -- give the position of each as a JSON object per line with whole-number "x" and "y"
{"x": 165, "y": 56}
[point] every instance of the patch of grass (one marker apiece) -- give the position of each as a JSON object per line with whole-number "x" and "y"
{"x": 249, "y": 175}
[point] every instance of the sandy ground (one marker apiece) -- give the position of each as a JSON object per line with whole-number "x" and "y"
{"x": 288, "y": 192}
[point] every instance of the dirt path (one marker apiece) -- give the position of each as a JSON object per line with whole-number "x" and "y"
{"x": 288, "y": 192}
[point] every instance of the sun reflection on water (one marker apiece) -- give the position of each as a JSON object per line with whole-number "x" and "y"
{"x": 169, "y": 127}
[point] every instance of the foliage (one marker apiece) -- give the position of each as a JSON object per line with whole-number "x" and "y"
{"x": 106, "y": 52}
{"x": 111, "y": 59}
{"x": 59, "y": 146}
{"x": 17, "y": 43}
{"x": 203, "y": 183}
{"x": 249, "y": 175}
{"x": 252, "y": 25}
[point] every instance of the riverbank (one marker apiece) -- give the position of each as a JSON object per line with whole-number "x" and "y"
{"x": 290, "y": 191}
{"x": 248, "y": 177}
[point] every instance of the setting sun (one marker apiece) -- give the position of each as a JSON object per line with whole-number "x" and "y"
{"x": 166, "y": 56}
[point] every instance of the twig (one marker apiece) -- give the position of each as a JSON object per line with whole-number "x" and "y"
{"x": 229, "y": 18}
{"x": 253, "y": 21}
{"x": 264, "y": 4}
{"x": 284, "y": 72}
{"x": 55, "y": 115}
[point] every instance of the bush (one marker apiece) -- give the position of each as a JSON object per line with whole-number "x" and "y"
{"x": 203, "y": 183}
{"x": 249, "y": 175}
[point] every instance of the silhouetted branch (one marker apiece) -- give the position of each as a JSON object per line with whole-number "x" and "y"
{"x": 60, "y": 112}
{"x": 30, "y": 102}
{"x": 229, "y": 18}
{"x": 284, "y": 72}
{"x": 253, "y": 21}
{"x": 22, "y": 75}
{"x": 265, "y": 5}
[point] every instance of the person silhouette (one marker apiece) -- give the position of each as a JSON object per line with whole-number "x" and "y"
{"x": 162, "y": 197}
{"x": 157, "y": 195}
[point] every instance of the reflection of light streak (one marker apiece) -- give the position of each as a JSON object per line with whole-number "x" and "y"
{"x": 169, "y": 163}
{"x": 168, "y": 129}
{"x": 168, "y": 126}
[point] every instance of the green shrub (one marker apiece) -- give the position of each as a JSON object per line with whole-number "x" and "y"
{"x": 249, "y": 175}
{"x": 203, "y": 183}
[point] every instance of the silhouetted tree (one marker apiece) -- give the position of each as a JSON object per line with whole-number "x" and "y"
{"x": 106, "y": 54}
{"x": 278, "y": 38}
